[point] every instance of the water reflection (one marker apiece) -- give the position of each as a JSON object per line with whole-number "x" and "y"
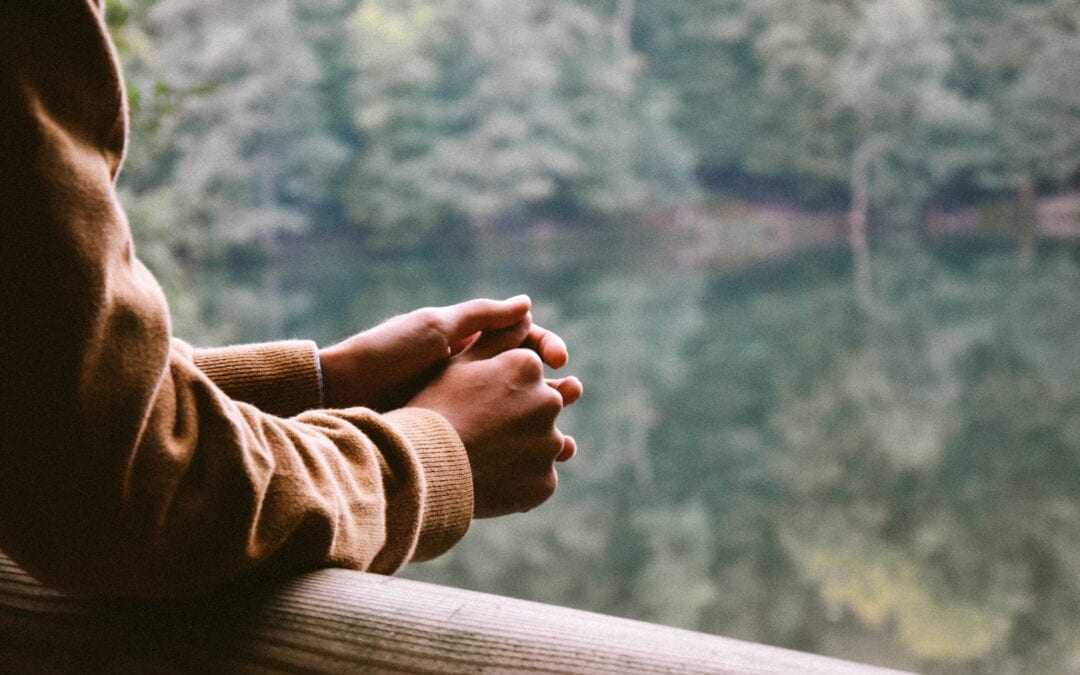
{"x": 761, "y": 460}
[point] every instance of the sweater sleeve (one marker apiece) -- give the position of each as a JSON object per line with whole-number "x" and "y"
{"x": 281, "y": 378}
{"x": 125, "y": 469}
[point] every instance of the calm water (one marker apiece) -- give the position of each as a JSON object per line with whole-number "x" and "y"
{"x": 757, "y": 457}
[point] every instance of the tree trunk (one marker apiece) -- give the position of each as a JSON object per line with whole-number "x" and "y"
{"x": 1027, "y": 222}
{"x": 623, "y": 25}
{"x": 857, "y": 225}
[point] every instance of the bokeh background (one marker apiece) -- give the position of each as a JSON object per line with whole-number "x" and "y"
{"x": 817, "y": 261}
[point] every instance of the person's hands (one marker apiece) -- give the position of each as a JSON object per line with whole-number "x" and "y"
{"x": 384, "y": 367}
{"x": 495, "y": 396}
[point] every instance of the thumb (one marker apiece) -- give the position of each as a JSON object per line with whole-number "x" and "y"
{"x": 466, "y": 319}
{"x": 495, "y": 342}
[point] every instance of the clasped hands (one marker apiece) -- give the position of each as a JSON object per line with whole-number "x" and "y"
{"x": 480, "y": 364}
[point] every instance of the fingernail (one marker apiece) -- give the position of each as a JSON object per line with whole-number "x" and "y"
{"x": 519, "y": 298}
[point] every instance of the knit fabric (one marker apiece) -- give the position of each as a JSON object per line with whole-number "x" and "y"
{"x": 131, "y": 464}
{"x": 277, "y": 377}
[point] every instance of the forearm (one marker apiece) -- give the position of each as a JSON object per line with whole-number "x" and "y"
{"x": 282, "y": 378}
{"x": 124, "y": 469}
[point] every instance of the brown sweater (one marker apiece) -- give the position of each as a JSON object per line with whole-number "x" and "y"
{"x": 130, "y": 464}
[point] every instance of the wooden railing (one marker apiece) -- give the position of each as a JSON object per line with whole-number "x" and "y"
{"x": 338, "y": 621}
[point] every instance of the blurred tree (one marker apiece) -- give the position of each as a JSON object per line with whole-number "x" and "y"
{"x": 1021, "y": 60}
{"x": 231, "y": 147}
{"x": 324, "y": 24}
{"x": 914, "y": 484}
{"x": 393, "y": 54}
{"x": 480, "y": 111}
{"x": 703, "y": 52}
{"x": 799, "y": 128}
{"x": 909, "y": 122}
{"x": 1042, "y": 136}
{"x": 902, "y": 489}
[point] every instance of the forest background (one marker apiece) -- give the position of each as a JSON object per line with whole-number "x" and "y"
{"x": 816, "y": 260}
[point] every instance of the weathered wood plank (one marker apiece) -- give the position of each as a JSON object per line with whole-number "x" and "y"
{"x": 337, "y": 621}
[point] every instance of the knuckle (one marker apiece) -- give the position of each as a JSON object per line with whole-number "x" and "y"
{"x": 431, "y": 323}
{"x": 551, "y": 402}
{"x": 527, "y": 362}
{"x": 429, "y": 317}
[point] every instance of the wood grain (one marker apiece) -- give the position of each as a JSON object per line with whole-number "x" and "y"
{"x": 339, "y": 621}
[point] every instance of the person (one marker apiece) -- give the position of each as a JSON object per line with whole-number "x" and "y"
{"x": 132, "y": 465}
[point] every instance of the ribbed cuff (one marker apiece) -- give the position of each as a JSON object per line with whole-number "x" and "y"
{"x": 281, "y": 378}
{"x": 448, "y": 503}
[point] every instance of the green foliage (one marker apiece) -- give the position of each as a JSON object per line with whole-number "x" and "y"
{"x": 759, "y": 461}
{"x": 477, "y": 111}
{"x": 1043, "y": 107}
{"x": 1019, "y": 60}
{"x": 411, "y": 121}
{"x": 915, "y": 474}
{"x": 231, "y": 150}
{"x": 395, "y": 107}
{"x": 790, "y": 92}
{"x": 703, "y": 52}
{"x": 901, "y": 489}
{"x": 799, "y": 125}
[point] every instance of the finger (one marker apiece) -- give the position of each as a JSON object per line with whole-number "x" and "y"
{"x": 495, "y": 342}
{"x": 463, "y": 344}
{"x": 465, "y": 319}
{"x": 548, "y": 345}
{"x": 569, "y": 449}
{"x": 569, "y": 387}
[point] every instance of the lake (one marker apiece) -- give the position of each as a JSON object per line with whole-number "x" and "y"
{"x": 759, "y": 457}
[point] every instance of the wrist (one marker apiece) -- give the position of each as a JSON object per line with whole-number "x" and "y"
{"x": 352, "y": 375}
{"x": 332, "y": 363}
